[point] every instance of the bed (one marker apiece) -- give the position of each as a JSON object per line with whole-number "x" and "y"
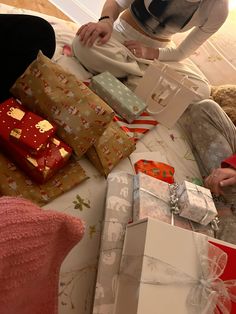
{"x": 217, "y": 59}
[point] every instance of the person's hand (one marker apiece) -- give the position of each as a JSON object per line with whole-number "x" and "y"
{"x": 221, "y": 177}
{"x": 90, "y": 32}
{"x": 141, "y": 51}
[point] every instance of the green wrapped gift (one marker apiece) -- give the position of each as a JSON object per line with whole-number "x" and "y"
{"x": 117, "y": 96}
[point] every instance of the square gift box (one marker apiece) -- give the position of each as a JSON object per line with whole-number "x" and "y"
{"x": 33, "y": 132}
{"x": 117, "y": 96}
{"x": 11, "y": 113}
{"x": 25, "y": 128}
{"x": 166, "y": 270}
{"x": 196, "y": 203}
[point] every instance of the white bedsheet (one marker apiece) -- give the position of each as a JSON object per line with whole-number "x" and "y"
{"x": 78, "y": 273}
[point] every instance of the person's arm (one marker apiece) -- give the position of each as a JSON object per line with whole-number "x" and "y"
{"x": 90, "y": 32}
{"x": 197, "y": 36}
{"x": 190, "y": 44}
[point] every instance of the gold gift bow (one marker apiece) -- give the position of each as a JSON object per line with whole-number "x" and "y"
{"x": 208, "y": 294}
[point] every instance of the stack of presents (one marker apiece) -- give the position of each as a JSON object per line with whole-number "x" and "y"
{"x": 158, "y": 253}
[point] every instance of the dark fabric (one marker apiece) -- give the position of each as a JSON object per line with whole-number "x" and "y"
{"x": 22, "y": 36}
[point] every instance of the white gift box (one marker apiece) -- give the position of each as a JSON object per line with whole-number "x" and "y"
{"x": 196, "y": 203}
{"x": 165, "y": 270}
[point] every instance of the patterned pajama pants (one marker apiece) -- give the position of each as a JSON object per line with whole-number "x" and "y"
{"x": 212, "y": 136}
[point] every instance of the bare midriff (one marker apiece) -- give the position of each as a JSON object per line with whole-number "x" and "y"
{"x": 128, "y": 18}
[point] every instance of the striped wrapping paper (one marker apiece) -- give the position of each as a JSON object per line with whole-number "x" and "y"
{"x": 138, "y": 127}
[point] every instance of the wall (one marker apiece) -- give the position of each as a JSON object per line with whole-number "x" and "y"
{"x": 80, "y": 11}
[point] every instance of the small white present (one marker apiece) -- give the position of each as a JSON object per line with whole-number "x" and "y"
{"x": 196, "y": 203}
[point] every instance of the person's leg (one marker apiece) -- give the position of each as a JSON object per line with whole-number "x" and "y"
{"x": 22, "y": 36}
{"x": 212, "y": 136}
{"x": 211, "y": 133}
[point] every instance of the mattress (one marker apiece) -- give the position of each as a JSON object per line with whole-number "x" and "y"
{"x": 78, "y": 272}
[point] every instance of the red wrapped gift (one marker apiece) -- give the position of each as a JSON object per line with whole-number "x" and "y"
{"x": 158, "y": 170}
{"x": 45, "y": 164}
{"x": 11, "y": 113}
{"x": 33, "y": 132}
{"x": 226, "y": 273}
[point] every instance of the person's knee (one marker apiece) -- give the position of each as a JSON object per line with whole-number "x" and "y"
{"x": 82, "y": 53}
{"x": 203, "y": 108}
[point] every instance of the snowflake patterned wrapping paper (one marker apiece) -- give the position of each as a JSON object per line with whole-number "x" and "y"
{"x": 196, "y": 203}
{"x": 118, "y": 213}
{"x": 151, "y": 198}
{"x": 117, "y": 96}
{"x": 50, "y": 91}
{"x": 165, "y": 270}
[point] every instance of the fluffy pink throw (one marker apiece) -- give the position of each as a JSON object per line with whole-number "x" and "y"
{"x": 33, "y": 244}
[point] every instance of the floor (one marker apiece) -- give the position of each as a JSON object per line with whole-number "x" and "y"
{"x": 42, "y": 6}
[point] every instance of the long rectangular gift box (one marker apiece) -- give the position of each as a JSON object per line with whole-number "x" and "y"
{"x": 166, "y": 269}
{"x": 118, "y": 212}
{"x": 118, "y": 96}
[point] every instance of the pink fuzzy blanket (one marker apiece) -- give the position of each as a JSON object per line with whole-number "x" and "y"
{"x": 33, "y": 244}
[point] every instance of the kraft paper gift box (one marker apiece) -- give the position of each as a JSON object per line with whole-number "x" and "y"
{"x": 196, "y": 203}
{"x": 152, "y": 199}
{"x": 118, "y": 96}
{"x": 118, "y": 213}
{"x": 55, "y": 94}
{"x": 166, "y": 270}
{"x": 112, "y": 146}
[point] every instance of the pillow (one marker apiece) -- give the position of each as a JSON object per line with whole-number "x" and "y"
{"x": 47, "y": 89}
{"x": 225, "y": 96}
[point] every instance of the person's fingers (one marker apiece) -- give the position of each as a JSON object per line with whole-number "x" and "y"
{"x": 228, "y": 181}
{"x": 94, "y": 35}
{"x": 212, "y": 183}
{"x": 104, "y": 39}
{"x": 81, "y": 29}
{"x": 90, "y": 29}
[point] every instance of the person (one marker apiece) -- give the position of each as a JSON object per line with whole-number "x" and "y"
{"x": 212, "y": 137}
{"x": 144, "y": 32}
{"x": 22, "y": 37}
